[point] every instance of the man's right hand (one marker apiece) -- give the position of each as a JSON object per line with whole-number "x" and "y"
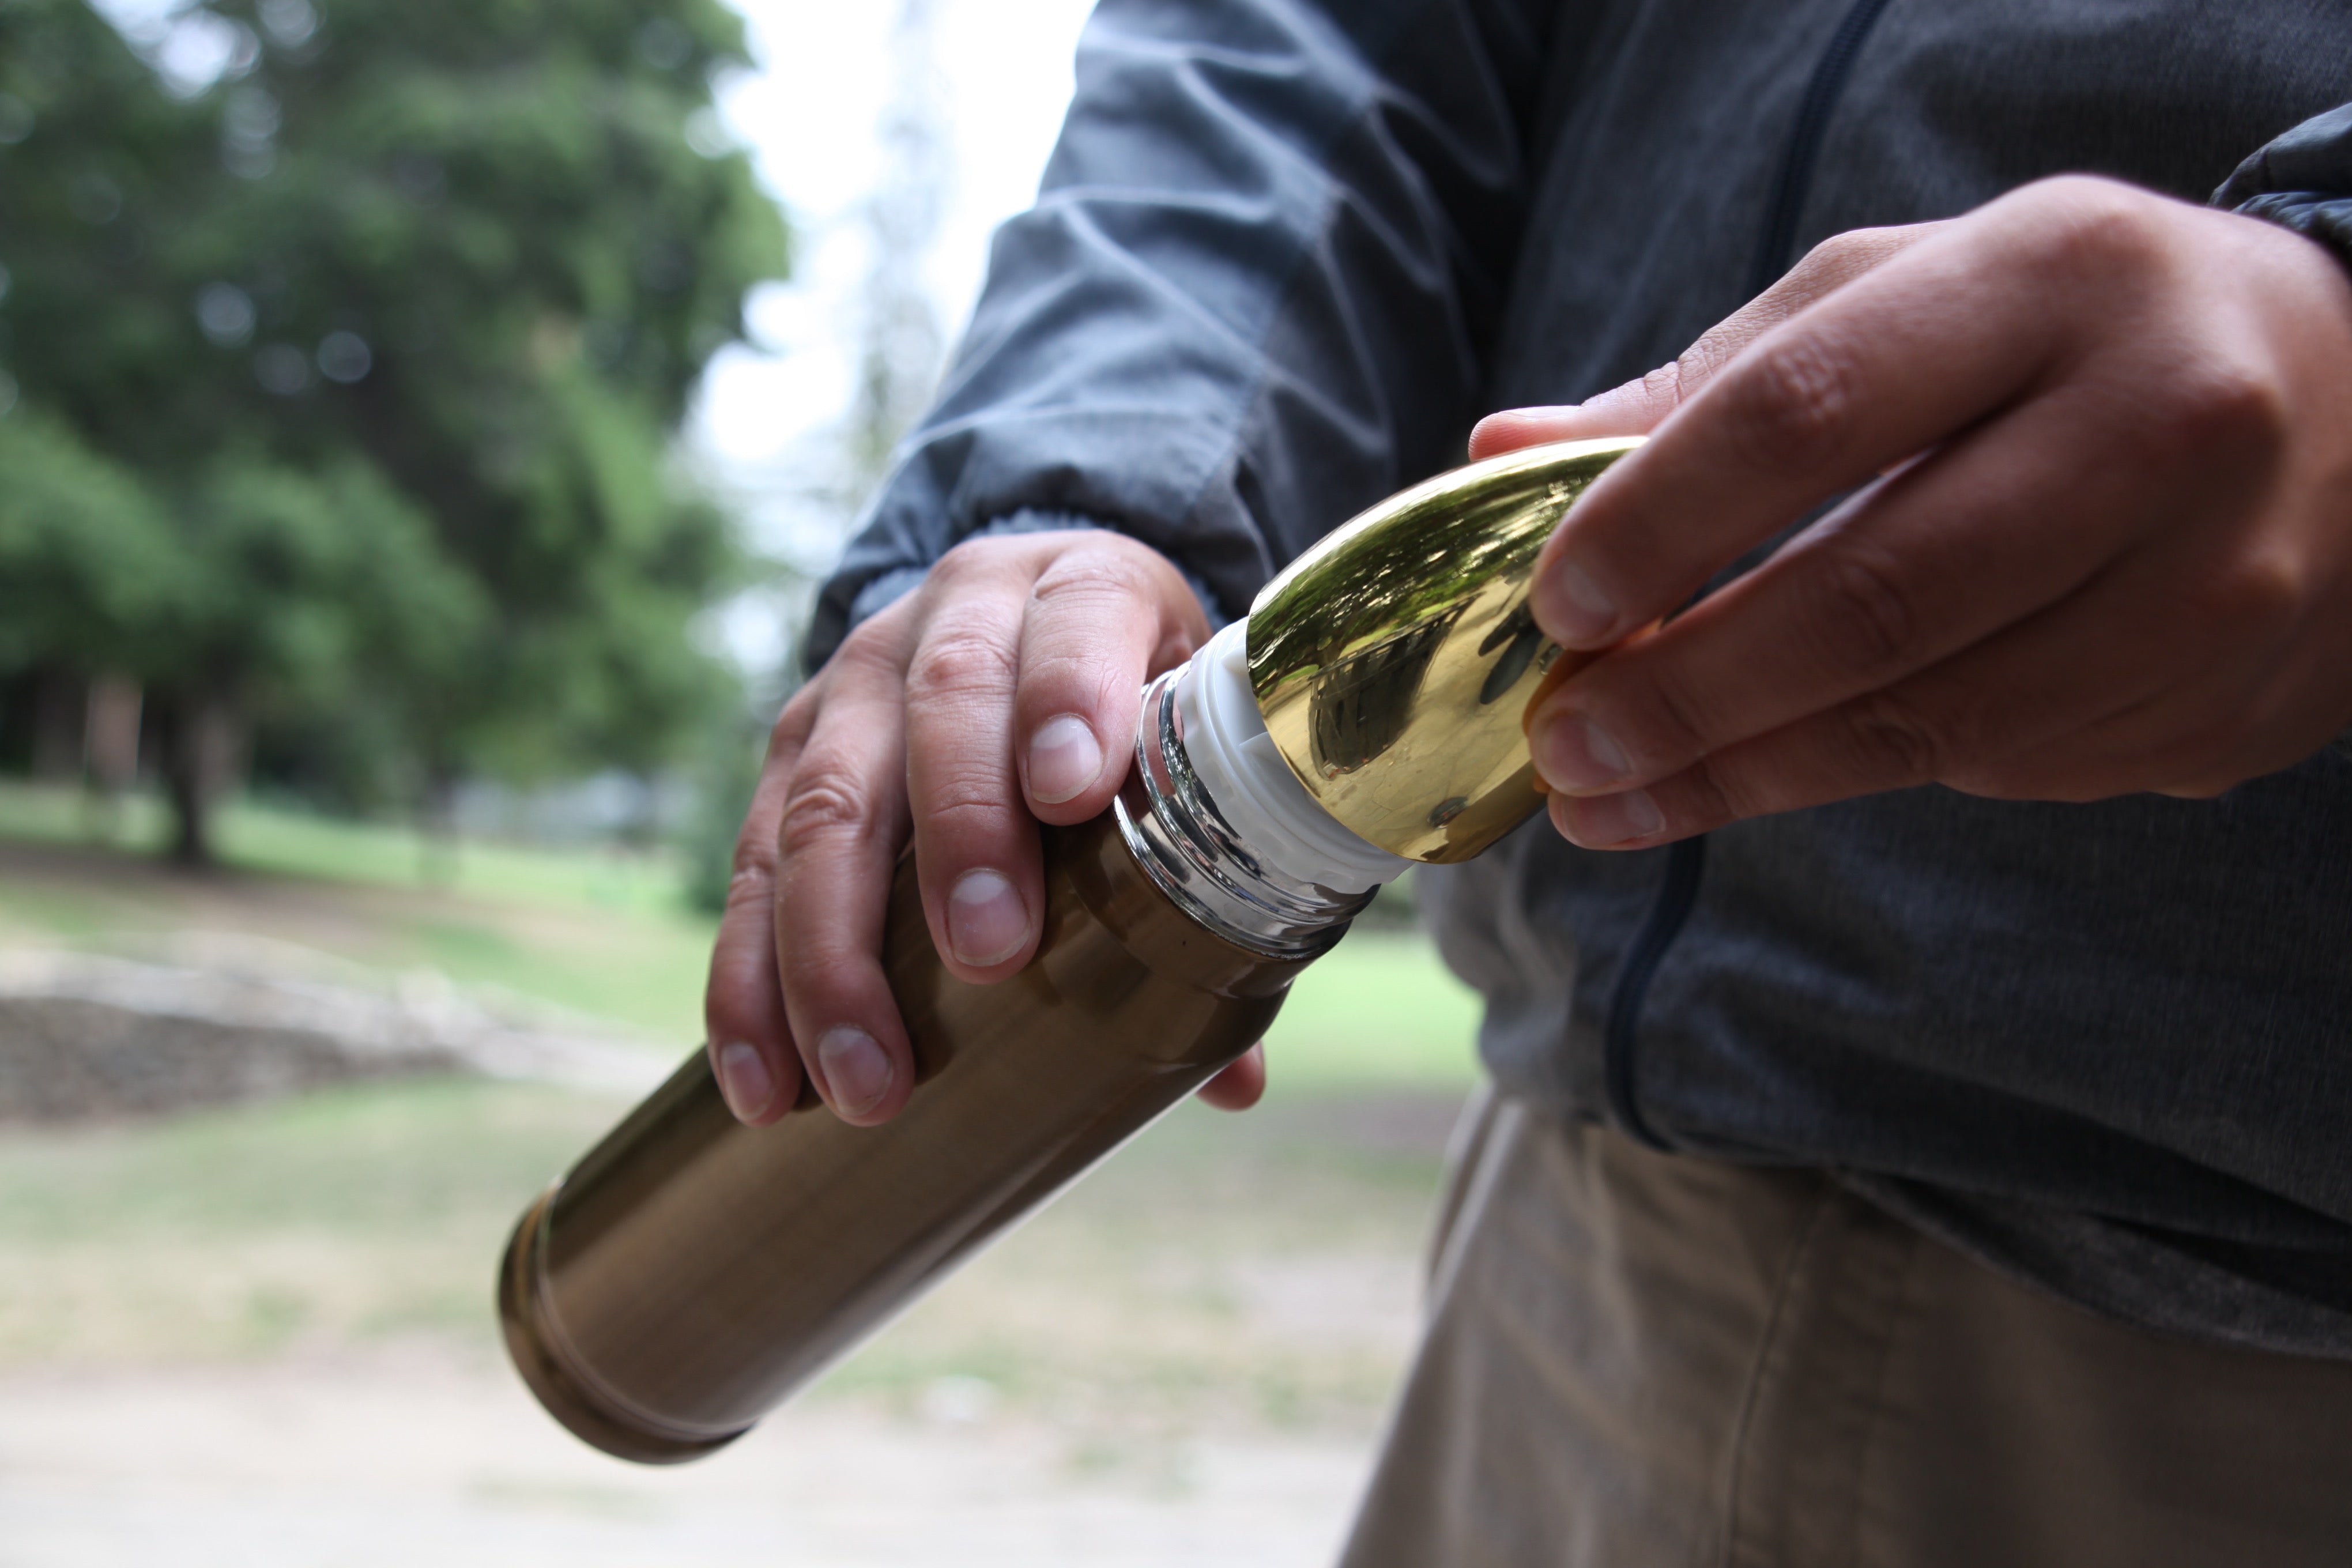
{"x": 1003, "y": 692}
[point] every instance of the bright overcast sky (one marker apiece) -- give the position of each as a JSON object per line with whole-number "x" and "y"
{"x": 809, "y": 117}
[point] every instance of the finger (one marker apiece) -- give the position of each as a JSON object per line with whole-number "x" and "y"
{"x": 1632, "y": 409}
{"x": 1911, "y": 570}
{"x": 2081, "y": 701}
{"x": 1542, "y": 711}
{"x": 837, "y": 840}
{"x": 1103, "y": 616}
{"x": 2208, "y": 657}
{"x": 976, "y": 847}
{"x": 750, "y": 1045}
{"x": 1240, "y": 1085}
{"x": 1636, "y": 407}
{"x": 1949, "y": 330}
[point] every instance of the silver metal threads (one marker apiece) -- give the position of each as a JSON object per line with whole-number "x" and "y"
{"x": 1193, "y": 854}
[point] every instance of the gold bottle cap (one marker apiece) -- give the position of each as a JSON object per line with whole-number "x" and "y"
{"x": 1394, "y": 660}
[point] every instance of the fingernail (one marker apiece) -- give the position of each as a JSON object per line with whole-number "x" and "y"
{"x": 858, "y": 1072}
{"x": 987, "y": 921}
{"x": 744, "y": 1080}
{"x": 1573, "y": 753}
{"x": 1572, "y": 607}
{"x": 1064, "y": 758}
{"x": 1605, "y": 821}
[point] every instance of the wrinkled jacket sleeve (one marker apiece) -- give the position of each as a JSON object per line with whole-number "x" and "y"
{"x": 2303, "y": 180}
{"x": 1252, "y": 297}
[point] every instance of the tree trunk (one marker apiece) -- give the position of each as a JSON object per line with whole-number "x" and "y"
{"x": 109, "y": 747}
{"x": 56, "y": 726}
{"x": 204, "y": 760}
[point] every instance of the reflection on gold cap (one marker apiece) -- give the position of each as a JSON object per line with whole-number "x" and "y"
{"x": 1394, "y": 660}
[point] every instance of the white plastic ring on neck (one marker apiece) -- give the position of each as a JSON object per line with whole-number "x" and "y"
{"x": 1251, "y": 785}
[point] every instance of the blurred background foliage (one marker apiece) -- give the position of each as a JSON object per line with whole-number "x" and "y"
{"x": 337, "y": 390}
{"x": 348, "y": 488}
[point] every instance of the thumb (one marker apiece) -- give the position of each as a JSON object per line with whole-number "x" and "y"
{"x": 1640, "y": 406}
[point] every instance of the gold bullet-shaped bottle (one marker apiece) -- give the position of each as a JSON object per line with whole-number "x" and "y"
{"x": 689, "y": 1272}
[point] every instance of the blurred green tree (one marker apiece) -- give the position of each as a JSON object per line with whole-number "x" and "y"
{"x": 86, "y": 555}
{"x": 386, "y": 325}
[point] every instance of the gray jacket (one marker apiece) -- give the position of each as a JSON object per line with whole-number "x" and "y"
{"x": 1287, "y": 252}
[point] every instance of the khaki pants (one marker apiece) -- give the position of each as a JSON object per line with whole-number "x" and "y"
{"x": 1637, "y": 1360}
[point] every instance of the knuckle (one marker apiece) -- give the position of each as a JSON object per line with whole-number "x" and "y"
{"x": 797, "y": 718}
{"x": 965, "y": 787}
{"x": 2077, "y": 193}
{"x": 1094, "y": 576}
{"x": 1098, "y": 605}
{"x": 955, "y": 662}
{"x": 1789, "y": 412}
{"x": 2203, "y": 750}
{"x": 1826, "y": 268}
{"x": 2082, "y": 231}
{"x": 827, "y": 803}
{"x": 1837, "y": 249}
{"x": 1860, "y": 611}
{"x": 2218, "y": 410}
{"x": 753, "y": 880}
{"x": 1671, "y": 719}
{"x": 872, "y": 643}
{"x": 1894, "y": 741}
{"x": 983, "y": 555}
{"x": 2252, "y": 599}
{"x": 1666, "y": 386}
{"x": 949, "y": 569}
{"x": 754, "y": 866}
{"x": 1713, "y": 792}
{"x": 1841, "y": 254}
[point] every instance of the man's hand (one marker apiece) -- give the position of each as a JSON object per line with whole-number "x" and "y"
{"x": 2102, "y": 542}
{"x": 1003, "y": 692}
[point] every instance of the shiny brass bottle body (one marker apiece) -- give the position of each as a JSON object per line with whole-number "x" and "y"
{"x": 689, "y": 1273}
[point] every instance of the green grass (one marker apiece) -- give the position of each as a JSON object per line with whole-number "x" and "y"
{"x": 256, "y": 838}
{"x": 333, "y": 1219}
{"x": 397, "y": 1160}
{"x": 1135, "y": 1308}
{"x": 1381, "y": 1011}
{"x": 600, "y": 932}
{"x": 47, "y": 814}
{"x": 1132, "y": 1307}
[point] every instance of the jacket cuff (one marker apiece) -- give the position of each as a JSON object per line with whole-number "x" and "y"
{"x": 2302, "y": 181}
{"x": 888, "y": 587}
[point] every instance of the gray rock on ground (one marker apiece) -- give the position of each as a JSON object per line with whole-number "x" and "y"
{"x": 87, "y": 1035}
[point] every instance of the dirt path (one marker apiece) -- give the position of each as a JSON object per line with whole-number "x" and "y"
{"x": 416, "y": 1456}
{"x": 260, "y": 1337}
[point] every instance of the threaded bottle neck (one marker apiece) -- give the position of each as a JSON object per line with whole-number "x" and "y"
{"x": 1218, "y": 822}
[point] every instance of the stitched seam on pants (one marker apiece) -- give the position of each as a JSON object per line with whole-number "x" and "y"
{"x": 1903, "y": 1310}
{"x": 1768, "y": 1340}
